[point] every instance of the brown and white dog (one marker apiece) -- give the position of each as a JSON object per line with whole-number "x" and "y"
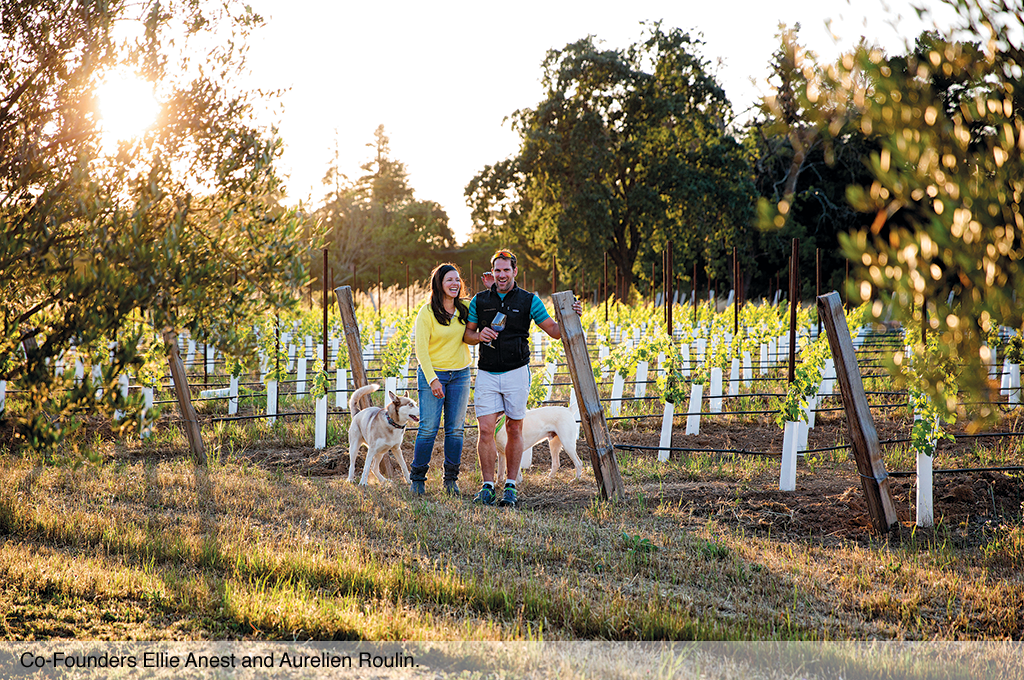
{"x": 557, "y": 424}
{"x": 381, "y": 429}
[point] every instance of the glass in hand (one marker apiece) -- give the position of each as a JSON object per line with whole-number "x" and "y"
{"x": 498, "y": 324}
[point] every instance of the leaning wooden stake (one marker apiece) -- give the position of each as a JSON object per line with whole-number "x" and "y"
{"x": 347, "y": 307}
{"x": 355, "y": 346}
{"x": 873, "y": 477}
{"x": 188, "y": 412}
{"x": 602, "y": 452}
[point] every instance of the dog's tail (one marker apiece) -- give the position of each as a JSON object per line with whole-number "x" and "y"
{"x": 357, "y": 396}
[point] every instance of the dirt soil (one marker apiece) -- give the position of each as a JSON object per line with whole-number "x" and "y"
{"x": 828, "y": 503}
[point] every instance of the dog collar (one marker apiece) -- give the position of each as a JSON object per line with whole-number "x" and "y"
{"x": 391, "y": 422}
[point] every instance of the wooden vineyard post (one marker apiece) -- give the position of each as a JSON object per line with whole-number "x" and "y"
{"x": 355, "y": 347}
{"x": 846, "y": 287}
{"x": 665, "y": 299}
{"x": 924, "y": 323}
{"x": 817, "y": 281}
{"x": 602, "y": 452}
{"x": 652, "y": 286}
{"x": 606, "y": 287}
{"x": 355, "y": 351}
{"x": 670, "y": 280}
{"x": 735, "y": 292}
{"x": 866, "y": 449}
{"x": 794, "y": 293}
{"x": 188, "y": 412}
{"x": 693, "y": 294}
{"x": 324, "y": 290}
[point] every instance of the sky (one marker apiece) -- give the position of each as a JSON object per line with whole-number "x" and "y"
{"x": 441, "y": 77}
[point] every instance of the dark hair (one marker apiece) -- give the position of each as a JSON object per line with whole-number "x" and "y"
{"x": 437, "y": 295}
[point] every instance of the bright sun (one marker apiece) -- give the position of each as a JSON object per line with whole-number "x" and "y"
{"x": 126, "y": 106}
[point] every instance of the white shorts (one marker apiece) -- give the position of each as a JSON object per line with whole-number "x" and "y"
{"x": 502, "y": 393}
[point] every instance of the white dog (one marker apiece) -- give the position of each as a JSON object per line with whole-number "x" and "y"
{"x": 557, "y": 424}
{"x": 381, "y": 429}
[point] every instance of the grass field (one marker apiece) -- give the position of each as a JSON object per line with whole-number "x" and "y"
{"x": 271, "y": 543}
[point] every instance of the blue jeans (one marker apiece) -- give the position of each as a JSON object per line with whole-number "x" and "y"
{"x": 453, "y": 405}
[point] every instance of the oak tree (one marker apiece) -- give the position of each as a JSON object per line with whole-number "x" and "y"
{"x": 629, "y": 149}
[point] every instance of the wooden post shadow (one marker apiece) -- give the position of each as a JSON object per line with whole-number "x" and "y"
{"x": 873, "y": 477}
{"x": 602, "y": 452}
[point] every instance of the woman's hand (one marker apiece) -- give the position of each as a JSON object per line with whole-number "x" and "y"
{"x": 437, "y": 388}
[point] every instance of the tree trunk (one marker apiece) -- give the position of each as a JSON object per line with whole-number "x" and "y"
{"x": 624, "y": 272}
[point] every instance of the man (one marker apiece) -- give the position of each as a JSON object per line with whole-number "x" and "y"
{"x": 503, "y": 375}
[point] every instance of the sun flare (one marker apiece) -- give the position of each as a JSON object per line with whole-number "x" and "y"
{"x": 127, "y": 106}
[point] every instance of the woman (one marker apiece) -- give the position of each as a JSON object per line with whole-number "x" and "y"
{"x": 443, "y": 377}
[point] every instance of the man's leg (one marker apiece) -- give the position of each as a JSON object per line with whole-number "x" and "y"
{"x": 513, "y": 449}
{"x": 515, "y": 393}
{"x": 487, "y": 401}
{"x": 486, "y": 450}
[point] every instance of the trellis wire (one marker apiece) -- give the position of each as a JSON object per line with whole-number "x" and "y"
{"x": 960, "y": 471}
{"x": 694, "y": 450}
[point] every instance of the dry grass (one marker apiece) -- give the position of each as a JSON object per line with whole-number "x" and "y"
{"x": 270, "y": 543}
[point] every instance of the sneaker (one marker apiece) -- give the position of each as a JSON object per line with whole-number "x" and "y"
{"x": 418, "y": 487}
{"x": 486, "y": 496}
{"x": 451, "y": 488}
{"x": 510, "y": 499}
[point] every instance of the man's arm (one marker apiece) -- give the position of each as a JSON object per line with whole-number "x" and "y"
{"x": 472, "y": 336}
{"x": 551, "y": 327}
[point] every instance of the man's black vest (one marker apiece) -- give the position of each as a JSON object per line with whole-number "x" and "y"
{"x": 512, "y": 347}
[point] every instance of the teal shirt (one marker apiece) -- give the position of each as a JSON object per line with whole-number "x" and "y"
{"x": 537, "y": 311}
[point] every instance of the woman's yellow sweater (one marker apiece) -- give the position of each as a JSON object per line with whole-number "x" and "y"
{"x": 440, "y": 347}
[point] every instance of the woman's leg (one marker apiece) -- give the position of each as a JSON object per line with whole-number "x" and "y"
{"x": 430, "y": 419}
{"x": 456, "y": 400}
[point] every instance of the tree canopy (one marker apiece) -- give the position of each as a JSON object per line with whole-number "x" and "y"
{"x": 376, "y": 223}
{"x": 802, "y": 180}
{"x": 628, "y": 150}
{"x": 175, "y": 228}
{"x": 946, "y": 185}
